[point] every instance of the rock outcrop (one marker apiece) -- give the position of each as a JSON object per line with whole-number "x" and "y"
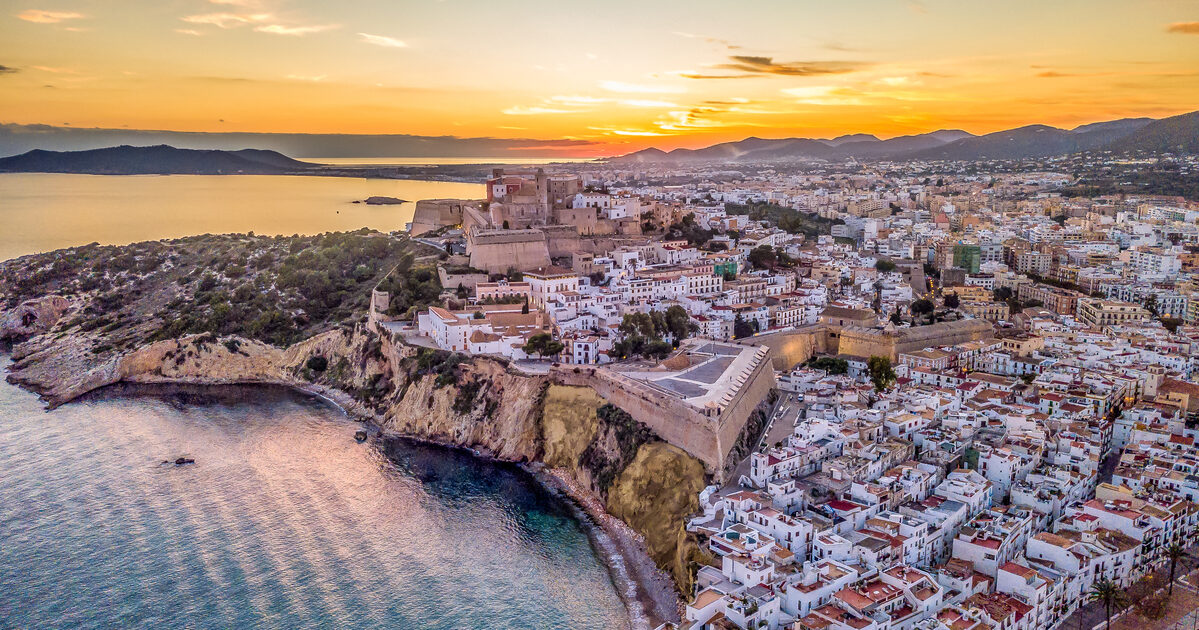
{"x": 33, "y": 317}
{"x": 477, "y": 403}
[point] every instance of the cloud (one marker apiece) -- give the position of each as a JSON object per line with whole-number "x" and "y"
{"x": 640, "y": 88}
{"x": 295, "y": 31}
{"x": 1185, "y": 28}
{"x": 188, "y": 31}
{"x": 300, "y": 77}
{"x": 262, "y": 23}
{"x": 696, "y": 75}
{"x": 620, "y": 131}
{"x": 521, "y": 110}
{"x": 766, "y": 65}
{"x": 7, "y": 70}
{"x": 381, "y": 40}
{"x": 1053, "y": 74}
{"x": 711, "y": 40}
{"x": 39, "y": 16}
{"x": 822, "y": 95}
{"x": 228, "y": 20}
{"x": 640, "y": 102}
{"x": 579, "y": 100}
{"x": 697, "y": 118}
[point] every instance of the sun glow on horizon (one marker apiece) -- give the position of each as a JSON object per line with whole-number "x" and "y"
{"x": 613, "y": 82}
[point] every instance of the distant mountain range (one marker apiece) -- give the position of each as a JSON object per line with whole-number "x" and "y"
{"x": 155, "y": 160}
{"x": 1177, "y": 134}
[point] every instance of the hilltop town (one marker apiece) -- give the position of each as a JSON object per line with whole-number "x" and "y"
{"x": 928, "y": 396}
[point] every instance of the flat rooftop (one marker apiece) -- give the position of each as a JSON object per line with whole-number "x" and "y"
{"x": 712, "y": 375}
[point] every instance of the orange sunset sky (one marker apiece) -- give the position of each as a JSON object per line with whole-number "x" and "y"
{"x": 622, "y": 74}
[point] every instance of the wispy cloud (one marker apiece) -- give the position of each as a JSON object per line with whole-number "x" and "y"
{"x": 823, "y": 95}
{"x": 40, "y": 16}
{"x": 1186, "y": 28}
{"x": 579, "y": 100}
{"x": 262, "y": 23}
{"x": 641, "y": 102}
{"x": 295, "y": 31}
{"x": 7, "y": 70}
{"x": 521, "y": 110}
{"x": 767, "y": 65}
{"x": 382, "y": 40}
{"x": 189, "y": 31}
{"x": 313, "y": 79}
{"x": 711, "y": 40}
{"x": 227, "y": 20}
{"x": 702, "y": 75}
{"x": 640, "y": 88}
{"x": 621, "y": 131}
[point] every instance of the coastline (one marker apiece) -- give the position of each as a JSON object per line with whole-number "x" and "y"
{"x": 647, "y": 593}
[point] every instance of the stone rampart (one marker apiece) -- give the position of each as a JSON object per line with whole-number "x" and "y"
{"x": 431, "y": 214}
{"x": 707, "y": 434}
{"x": 497, "y": 251}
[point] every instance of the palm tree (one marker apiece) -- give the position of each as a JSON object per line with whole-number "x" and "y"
{"x": 1110, "y": 595}
{"x": 1174, "y": 553}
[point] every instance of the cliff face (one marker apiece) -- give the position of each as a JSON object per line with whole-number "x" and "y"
{"x": 650, "y": 485}
{"x": 428, "y": 394}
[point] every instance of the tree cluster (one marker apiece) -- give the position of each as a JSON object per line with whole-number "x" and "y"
{"x": 643, "y": 333}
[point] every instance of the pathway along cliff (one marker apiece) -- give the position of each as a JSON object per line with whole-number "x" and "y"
{"x": 610, "y": 464}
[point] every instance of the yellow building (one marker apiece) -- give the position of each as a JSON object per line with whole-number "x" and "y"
{"x": 1103, "y": 313}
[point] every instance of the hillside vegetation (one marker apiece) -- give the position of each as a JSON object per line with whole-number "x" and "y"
{"x": 277, "y": 290}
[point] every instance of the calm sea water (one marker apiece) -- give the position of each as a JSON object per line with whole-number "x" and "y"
{"x": 284, "y": 521}
{"x": 432, "y": 161}
{"x": 44, "y": 211}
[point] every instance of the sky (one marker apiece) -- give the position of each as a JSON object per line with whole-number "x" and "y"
{"x": 610, "y": 77}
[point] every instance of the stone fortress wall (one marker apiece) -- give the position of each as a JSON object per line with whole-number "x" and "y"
{"x": 792, "y": 347}
{"x": 497, "y": 251}
{"x": 708, "y": 435}
{"x": 431, "y": 214}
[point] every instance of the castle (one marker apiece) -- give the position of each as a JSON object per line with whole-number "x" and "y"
{"x": 528, "y": 217}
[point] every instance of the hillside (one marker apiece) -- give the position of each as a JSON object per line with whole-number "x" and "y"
{"x": 1176, "y": 134}
{"x": 276, "y": 290}
{"x": 217, "y": 310}
{"x": 154, "y": 160}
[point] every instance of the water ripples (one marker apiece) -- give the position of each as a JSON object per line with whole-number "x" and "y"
{"x": 283, "y": 521}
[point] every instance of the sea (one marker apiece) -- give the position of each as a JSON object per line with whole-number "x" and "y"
{"x": 283, "y": 520}
{"x": 40, "y": 212}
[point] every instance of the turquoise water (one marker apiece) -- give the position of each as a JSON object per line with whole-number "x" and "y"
{"x": 283, "y": 521}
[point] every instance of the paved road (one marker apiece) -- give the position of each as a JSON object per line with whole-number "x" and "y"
{"x": 782, "y": 424}
{"x": 1092, "y": 614}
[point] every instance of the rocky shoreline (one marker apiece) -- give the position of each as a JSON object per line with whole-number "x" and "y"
{"x": 647, "y": 591}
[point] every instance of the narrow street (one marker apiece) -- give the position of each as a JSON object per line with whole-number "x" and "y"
{"x": 782, "y": 424}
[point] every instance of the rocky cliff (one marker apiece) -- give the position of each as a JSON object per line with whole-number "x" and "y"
{"x": 477, "y": 403}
